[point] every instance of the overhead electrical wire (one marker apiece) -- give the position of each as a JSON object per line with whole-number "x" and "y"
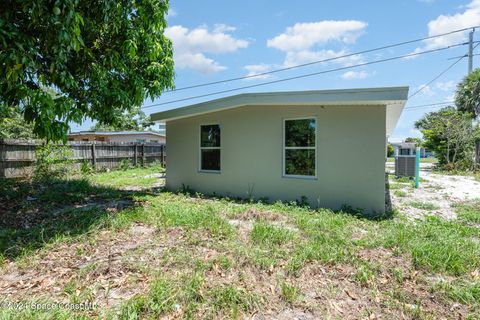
{"x": 308, "y": 75}
{"x": 320, "y": 61}
{"x": 423, "y": 87}
{"x": 429, "y": 105}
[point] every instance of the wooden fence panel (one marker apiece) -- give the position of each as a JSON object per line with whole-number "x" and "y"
{"x": 17, "y": 157}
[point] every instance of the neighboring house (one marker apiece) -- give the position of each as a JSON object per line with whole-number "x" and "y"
{"x": 327, "y": 147}
{"x": 118, "y": 136}
{"x": 409, "y": 149}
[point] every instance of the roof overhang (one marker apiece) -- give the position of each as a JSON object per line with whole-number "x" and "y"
{"x": 394, "y": 98}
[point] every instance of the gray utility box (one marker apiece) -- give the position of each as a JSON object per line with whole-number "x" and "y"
{"x": 405, "y": 166}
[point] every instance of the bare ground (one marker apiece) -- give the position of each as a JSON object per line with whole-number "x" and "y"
{"x": 113, "y": 266}
{"x": 440, "y": 190}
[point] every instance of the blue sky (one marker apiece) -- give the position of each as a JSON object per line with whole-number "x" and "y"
{"x": 217, "y": 40}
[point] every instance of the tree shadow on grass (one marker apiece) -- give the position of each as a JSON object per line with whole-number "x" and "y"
{"x": 33, "y": 214}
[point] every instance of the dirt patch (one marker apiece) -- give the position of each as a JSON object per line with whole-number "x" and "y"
{"x": 244, "y": 222}
{"x": 441, "y": 192}
{"x": 253, "y": 214}
{"x": 107, "y": 270}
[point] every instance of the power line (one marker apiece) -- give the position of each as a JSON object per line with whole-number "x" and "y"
{"x": 421, "y": 106}
{"x": 307, "y": 75}
{"x": 319, "y": 61}
{"x": 434, "y": 79}
{"x": 423, "y": 87}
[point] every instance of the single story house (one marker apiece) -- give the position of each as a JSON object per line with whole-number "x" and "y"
{"x": 328, "y": 147}
{"x": 118, "y": 136}
{"x": 409, "y": 149}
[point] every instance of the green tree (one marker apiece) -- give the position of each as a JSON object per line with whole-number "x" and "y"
{"x": 13, "y": 126}
{"x": 418, "y": 141}
{"x": 451, "y": 135}
{"x": 467, "y": 97}
{"x": 131, "y": 120}
{"x": 100, "y": 58}
{"x": 390, "y": 150}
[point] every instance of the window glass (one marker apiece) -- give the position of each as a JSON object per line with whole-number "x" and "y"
{"x": 300, "y": 162}
{"x": 210, "y": 147}
{"x": 300, "y": 133}
{"x": 299, "y": 148}
{"x": 210, "y": 135}
{"x": 211, "y": 159}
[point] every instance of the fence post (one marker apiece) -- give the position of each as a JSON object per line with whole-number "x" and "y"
{"x": 2, "y": 158}
{"x": 143, "y": 155}
{"x": 417, "y": 167}
{"x": 477, "y": 152}
{"x": 135, "y": 157}
{"x": 94, "y": 156}
{"x": 161, "y": 155}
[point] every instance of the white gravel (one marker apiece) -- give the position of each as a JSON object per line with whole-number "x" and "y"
{"x": 438, "y": 190}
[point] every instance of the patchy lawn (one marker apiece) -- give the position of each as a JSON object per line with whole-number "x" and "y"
{"x": 138, "y": 252}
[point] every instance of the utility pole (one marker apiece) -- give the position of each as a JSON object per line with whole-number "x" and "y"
{"x": 470, "y": 51}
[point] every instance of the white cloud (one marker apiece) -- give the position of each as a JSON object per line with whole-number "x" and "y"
{"x": 223, "y": 28}
{"x": 446, "y": 86}
{"x": 352, "y": 75}
{"x": 294, "y": 58}
{"x": 171, "y": 13}
{"x": 302, "y": 43}
{"x": 191, "y": 45}
{"x": 197, "y": 62}
{"x": 451, "y": 97}
{"x": 446, "y": 23}
{"x": 426, "y": 90}
{"x": 255, "y": 69}
{"x": 413, "y": 54}
{"x": 302, "y": 36}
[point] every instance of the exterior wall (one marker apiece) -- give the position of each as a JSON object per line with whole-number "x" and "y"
{"x": 350, "y": 155}
{"x": 134, "y": 138}
{"x": 117, "y": 138}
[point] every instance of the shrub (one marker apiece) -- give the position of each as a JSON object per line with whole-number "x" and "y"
{"x": 52, "y": 161}
{"x": 124, "y": 164}
{"x": 86, "y": 168}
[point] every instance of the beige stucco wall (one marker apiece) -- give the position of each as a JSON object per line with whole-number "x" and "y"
{"x": 350, "y": 155}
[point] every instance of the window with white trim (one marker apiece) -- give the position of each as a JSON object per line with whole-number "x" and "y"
{"x": 210, "y": 147}
{"x": 299, "y": 147}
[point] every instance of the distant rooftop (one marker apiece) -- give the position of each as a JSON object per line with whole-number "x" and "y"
{"x": 114, "y": 133}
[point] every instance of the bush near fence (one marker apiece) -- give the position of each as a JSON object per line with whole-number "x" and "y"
{"x": 17, "y": 157}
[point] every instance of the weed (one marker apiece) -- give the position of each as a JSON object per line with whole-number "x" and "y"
{"x": 423, "y": 205}
{"x": 233, "y": 299}
{"x": 400, "y": 193}
{"x": 469, "y": 212}
{"x": 86, "y": 168}
{"x": 52, "y": 161}
{"x": 365, "y": 274}
{"x": 462, "y": 291}
{"x": 125, "y": 165}
{"x": 264, "y": 233}
{"x": 303, "y": 202}
{"x": 288, "y": 292}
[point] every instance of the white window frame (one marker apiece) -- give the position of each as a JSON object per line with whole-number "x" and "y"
{"x": 284, "y": 148}
{"x": 200, "y": 148}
